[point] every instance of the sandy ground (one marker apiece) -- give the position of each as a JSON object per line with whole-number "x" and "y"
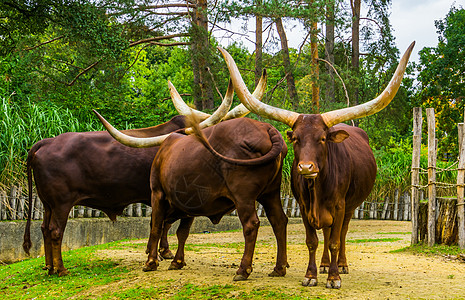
{"x": 375, "y": 272}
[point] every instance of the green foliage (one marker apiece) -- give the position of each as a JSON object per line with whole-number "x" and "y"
{"x": 23, "y": 125}
{"x": 441, "y": 76}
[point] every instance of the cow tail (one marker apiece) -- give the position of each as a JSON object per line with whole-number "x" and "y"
{"x": 27, "y": 244}
{"x": 276, "y": 148}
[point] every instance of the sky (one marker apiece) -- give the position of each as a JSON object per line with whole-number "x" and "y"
{"x": 411, "y": 20}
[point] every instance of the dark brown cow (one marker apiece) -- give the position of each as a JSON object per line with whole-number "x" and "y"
{"x": 188, "y": 180}
{"x": 333, "y": 171}
{"x": 92, "y": 169}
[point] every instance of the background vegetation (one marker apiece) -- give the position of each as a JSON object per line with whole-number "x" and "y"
{"x": 60, "y": 58}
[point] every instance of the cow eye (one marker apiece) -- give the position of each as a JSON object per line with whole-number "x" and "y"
{"x": 323, "y": 139}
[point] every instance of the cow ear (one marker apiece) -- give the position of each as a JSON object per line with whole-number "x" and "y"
{"x": 290, "y": 135}
{"x": 337, "y": 136}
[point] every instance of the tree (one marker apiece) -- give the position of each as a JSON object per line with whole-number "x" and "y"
{"x": 329, "y": 50}
{"x": 442, "y": 77}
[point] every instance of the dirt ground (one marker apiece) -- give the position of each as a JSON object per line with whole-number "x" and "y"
{"x": 374, "y": 271}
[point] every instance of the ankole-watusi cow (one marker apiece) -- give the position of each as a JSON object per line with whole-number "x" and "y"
{"x": 92, "y": 169}
{"x": 189, "y": 178}
{"x": 333, "y": 171}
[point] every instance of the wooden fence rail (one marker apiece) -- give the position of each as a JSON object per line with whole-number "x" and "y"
{"x": 13, "y": 206}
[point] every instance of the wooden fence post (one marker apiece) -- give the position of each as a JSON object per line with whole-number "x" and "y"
{"x": 384, "y": 213}
{"x": 259, "y": 210}
{"x": 416, "y": 151}
{"x": 286, "y": 204}
{"x": 460, "y": 192}
{"x": 12, "y": 208}
{"x": 431, "y": 176}
{"x": 406, "y": 206}
{"x": 293, "y": 207}
{"x": 396, "y": 205}
{"x": 361, "y": 211}
{"x": 138, "y": 209}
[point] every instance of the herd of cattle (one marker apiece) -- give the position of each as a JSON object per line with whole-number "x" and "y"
{"x": 223, "y": 163}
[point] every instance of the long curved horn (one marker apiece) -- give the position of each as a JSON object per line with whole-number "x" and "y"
{"x": 181, "y": 107}
{"x": 130, "y": 140}
{"x": 252, "y": 103}
{"x": 371, "y": 107}
{"x": 240, "y": 110}
{"x": 218, "y": 115}
{"x": 157, "y": 140}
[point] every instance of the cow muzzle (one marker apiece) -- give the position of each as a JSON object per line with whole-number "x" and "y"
{"x": 308, "y": 170}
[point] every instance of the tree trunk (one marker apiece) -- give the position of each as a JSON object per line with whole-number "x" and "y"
{"x": 203, "y": 84}
{"x": 355, "y": 5}
{"x": 329, "y": 51}
{"x": 287, "y": 64}
{"x": 315, "y": 68}
{"x": 258, "y": 45}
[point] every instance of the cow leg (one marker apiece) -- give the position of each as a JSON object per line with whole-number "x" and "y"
{"x": 324, "y": 265}
{"x": 57, "y": 227}
{"x": 250, "y": 224}
{"x": 164, "y": 250}
{"x": 182, "y": 233}
{"x": 47, "y": 239}
{"x": 158, "y": 217}
{"x": 312, "y": 244}
{"x": 278, "y": 220}
{"x": 334, "y": 280}
{"x": 342, "y": 259}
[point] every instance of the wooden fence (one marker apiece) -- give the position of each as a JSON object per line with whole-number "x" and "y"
{"x": 14, "y": 206}
{"x": 436, "y": 213}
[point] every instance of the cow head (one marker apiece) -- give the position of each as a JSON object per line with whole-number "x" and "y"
{"x": 310, "y": 140}
{"x": 313, "y": 132}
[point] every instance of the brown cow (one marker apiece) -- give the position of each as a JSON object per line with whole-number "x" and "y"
{"x": 333, "y": 171}
{"x": 188, "y": 180}
{"x": 92, "y": 169}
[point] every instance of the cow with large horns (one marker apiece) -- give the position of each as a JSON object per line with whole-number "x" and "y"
{"x": 190, "y": 178}
{"x": 92, "y": 169}
{"x": 333, "y": 171}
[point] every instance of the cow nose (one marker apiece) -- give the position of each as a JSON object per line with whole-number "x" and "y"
{"x": 308, "y": 169}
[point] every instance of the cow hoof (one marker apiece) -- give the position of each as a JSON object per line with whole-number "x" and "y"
{"x": 150, "y": 265}
{"x": 239, "y": 277}
{"x": 149, "y": 268}
{"x": 176, "y": 265}
{"x": 333, "y": 284}
{"x": 52, "y": 271}
{"x": 47, "y": 267}
{"x": 309, "y": 281}
{"x": 324, "y": 270}
{"x": 63, "y": 273}
{"x": 343, "y": 270}
{"x": 277, "y": 274}
{"x": 167, "y": 254}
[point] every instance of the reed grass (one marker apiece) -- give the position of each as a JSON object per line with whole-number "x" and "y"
{"x": 23, "y": 125}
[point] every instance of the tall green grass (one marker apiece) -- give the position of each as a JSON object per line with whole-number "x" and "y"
{"x": 394, "y": 171}
{"x": 23, "y": 125}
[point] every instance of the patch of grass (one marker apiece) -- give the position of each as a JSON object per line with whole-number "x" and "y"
{"x": 27, "y": 280}
{"x": 374, "y": 240}
{"x": 192, "y": 291}
{"x": 435, "y": 250}
{"x": 400, "y": 232}
{"x": 199, "y": 247}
